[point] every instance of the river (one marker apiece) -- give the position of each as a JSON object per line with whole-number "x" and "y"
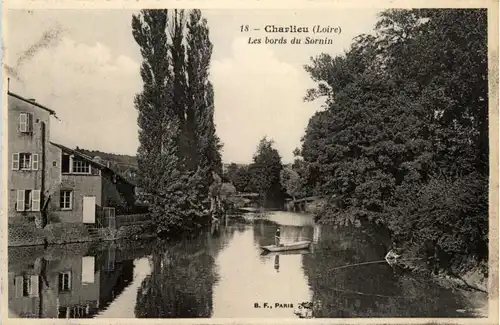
{"x": 223, "y": 273}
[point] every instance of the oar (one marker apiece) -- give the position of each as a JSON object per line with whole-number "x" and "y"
{"x": 371, "y": 262}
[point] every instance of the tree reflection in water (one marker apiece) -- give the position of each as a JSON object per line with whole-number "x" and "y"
{"x": 182, "y": 278}
{"x": 372, "y": 290}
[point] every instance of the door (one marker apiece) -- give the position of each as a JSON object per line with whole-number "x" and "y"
{"x": 89, "y": 209}
{"x": 88, "y": 269}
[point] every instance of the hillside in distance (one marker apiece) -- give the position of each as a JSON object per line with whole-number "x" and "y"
{"x": 125, "y": 165}
{"x": 116, "y": 158}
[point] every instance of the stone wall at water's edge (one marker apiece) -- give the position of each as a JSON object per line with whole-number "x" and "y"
{"x": 26, "y": 234}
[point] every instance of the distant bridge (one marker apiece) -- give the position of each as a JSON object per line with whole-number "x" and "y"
{"x": 300, "y": 204}
{"x": 246, "y": 195}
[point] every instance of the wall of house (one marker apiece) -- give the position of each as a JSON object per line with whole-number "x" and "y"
{"x": 81, "y": 185}
{"x": 33, "y": 142}
{"x": 54, "y": 177}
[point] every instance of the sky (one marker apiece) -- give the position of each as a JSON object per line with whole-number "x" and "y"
{"x": 84, "y": 64}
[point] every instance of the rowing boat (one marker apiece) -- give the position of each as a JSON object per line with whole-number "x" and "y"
{"x": 294, "y": 252}
{"x": 287, "y": 247}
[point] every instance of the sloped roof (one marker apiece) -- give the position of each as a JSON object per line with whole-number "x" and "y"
{"x": 29, "y": 101}
{"x": 90, "y": 160}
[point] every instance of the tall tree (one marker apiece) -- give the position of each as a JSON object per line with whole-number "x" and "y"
{"x": 209, "y": 145}
{"x": 174, "y": 190}
{"x": 179, "y": 82}
{"x": 154, "y": 102}
{"x": 199, "y": 50}
{"x": 200, "y": 127}
{"x": 265, "y": 171}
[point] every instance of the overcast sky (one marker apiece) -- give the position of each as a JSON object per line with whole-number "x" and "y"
{"x": 87, "y": 70}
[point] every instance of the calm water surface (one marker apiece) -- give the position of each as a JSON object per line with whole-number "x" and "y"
{"x": 223, "y": 273}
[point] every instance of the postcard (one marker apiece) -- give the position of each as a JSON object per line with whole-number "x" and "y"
{"x": 249, "y": 162}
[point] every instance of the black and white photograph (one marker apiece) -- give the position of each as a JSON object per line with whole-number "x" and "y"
{"x": 250, "y": 163}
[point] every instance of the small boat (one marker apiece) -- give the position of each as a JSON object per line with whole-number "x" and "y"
{"x": 287, "y": 246}
{"x": 248, "y": 209}
{"x": 293, "y": 252}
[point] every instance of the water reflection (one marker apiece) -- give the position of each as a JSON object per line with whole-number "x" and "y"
{"x": 370, "y": 290}
{"x": 224, "y": 273}
{"x": 64, "y": 282}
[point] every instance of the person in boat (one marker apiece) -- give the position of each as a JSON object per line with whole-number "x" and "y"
{"x": 393, "y": 254}
{"x": 277, "y": 237}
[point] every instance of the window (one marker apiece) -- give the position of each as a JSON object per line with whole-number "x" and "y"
{"x": 71, "y": 164}
{"x": 26, "y": 285}
{"x": 15, "y": 161}
{"x": 64, "y": 281}
{"x": 25, "y": 161}
{"x": 81, "y": 166}
{"x": 66, "y": 200}
{"x": 65, "y": 163}
{"x": 25, "y": 122}
{"x": 28, "y": 200}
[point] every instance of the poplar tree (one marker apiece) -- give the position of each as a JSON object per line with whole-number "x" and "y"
{"x": 179, "y": 82}
{"x": 179, "y": 149}
{"x": 201, "y": 134}
{"x": 160, "y": 160}
{"x": 149, "y": 31}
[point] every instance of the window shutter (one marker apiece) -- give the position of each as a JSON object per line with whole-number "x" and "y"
{"x": 20, "y": 200}
{"x": 29, "y": 120}
{"x": 34, "y": 286}
{"x": 35, "y": 200}
{"x": 34, "y": 161}
{"x": 18, "y": 284}
{"x": 23, "y": 122}
{"x": 15, "y": 161}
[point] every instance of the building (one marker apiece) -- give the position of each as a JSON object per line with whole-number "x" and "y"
{"x": 85, "y": 190}
{"x": 28, "y": 139}
{"x": 49, "y": 182}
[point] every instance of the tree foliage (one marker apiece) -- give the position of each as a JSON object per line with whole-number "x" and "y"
{"x": 265, "y": 172}
{"x": 178, "y": 146}
{"x": 406, "y": 114}
{"x": 290, "y": 180}
{"x": 241, "y": 178}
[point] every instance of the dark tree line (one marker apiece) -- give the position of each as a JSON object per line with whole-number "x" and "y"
{"x": 179, "y": 149}
{"x": 403, "y": 139}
